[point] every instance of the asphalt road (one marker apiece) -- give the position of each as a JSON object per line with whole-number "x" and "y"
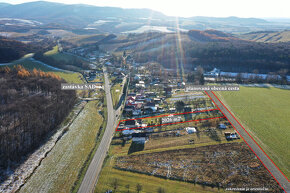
{"x": 92, "y": 175}
{"x": 256, "y": 149}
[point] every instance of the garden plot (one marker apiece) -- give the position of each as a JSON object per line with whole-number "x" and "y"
{"x": 225, "y": 165}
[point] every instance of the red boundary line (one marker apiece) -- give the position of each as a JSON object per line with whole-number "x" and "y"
{"x": 161, "y": 116}
{"x": 169, "y": 123}
{"x": 245, "y": 140}
{"x": 252, "y": 138}
{"x": 170, "y": 114}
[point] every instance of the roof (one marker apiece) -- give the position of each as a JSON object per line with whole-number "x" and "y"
{"x": 130, "y": 122}
{"x": 127, "y": 132}
{"x": 139, "y": 135}
{"x": 222, "y": 126}
{"x": 190, "y": 129}
{"x": 150, "y": 104}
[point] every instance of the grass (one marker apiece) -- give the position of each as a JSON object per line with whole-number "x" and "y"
{"x": 265, "y": 114}
{"x": 85, "y": 167}
{"x": 60, "y": 169}
{"x": 149, "y": 183}
{"x": 116, "y": 94}
{"x": 124, "y": 150}
{"x": 55, "y": 54}
{"x": 52, "y": 52}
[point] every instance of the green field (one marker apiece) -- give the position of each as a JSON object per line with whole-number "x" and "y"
{"x": 265, "y": 114}
{"x": 31, "y": 64}
{"x": 116, "y": 91}
{"x": 59, "y": 56}
{"x": 60, "y": 170}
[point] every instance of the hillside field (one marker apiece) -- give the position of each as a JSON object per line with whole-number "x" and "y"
{"x": 265, "y": 114}
{"x": 29, "y": 64}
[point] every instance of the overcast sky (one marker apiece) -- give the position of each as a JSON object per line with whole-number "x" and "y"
{"x": 188, "y": 8}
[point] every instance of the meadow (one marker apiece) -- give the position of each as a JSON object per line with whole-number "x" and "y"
{"x": 129, "y": 180}
{"x": 60, "y": 170}
{"x": 264, "y": 112}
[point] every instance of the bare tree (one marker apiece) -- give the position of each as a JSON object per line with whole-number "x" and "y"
{"x": 128, "y": 187}
{"x": 115, "y": 184}
{"x": 161, "y": 190}
{"x": 139, "y": 187}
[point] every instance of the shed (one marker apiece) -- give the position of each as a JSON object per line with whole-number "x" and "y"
{"x": 190, "y": 130}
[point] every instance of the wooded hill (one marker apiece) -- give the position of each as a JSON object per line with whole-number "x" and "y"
{"x": 12, "y": 50}
{"x": 32, "y": 105}
{"x": 209, "y": 49}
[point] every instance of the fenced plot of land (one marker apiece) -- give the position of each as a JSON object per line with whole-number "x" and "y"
{"x": 225, "y": 165}
{"x": 171, "y": 119}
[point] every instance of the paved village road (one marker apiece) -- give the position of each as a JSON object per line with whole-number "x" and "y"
{"x": 92, "y": 174}
{"x": 283, "y": 181}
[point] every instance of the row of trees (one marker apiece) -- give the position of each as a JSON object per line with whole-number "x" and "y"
{"x": 32, "y": 105}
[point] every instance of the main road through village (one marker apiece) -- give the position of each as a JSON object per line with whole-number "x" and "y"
{"x": 92, "y": 174}
{"x": 283, "y": 181}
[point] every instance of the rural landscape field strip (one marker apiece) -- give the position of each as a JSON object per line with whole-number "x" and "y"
{"x": 253, "y": 140}
{"x": 285, "y": 184}
{"x": 170, "y": 114}
{"x": 169, "y": 123}
{"x": 215, "y": 165}
{"x": 264, "y": 113}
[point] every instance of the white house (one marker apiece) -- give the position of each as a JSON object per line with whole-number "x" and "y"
{"x": 190, "y": 130}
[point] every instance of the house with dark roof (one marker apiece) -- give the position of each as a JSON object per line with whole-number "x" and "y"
{"x": 139, "y": 138}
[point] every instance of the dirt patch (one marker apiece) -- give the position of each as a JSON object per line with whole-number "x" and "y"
{"x": 225, "y": 165}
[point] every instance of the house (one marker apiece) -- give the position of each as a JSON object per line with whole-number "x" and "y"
{"x": 231, "y": 136}
{"x": 129, "y": 108}
{"x": 222, "y": 126}
{"x": 132, "y": 95}
{"x": 214, "y": 73}
{"x": 148, "y": 99}
{"x": 137, "y": 77}
{"x": 137, "y": 112}
{"x": 150, "y": 94}
{"x": 187, "y": 109}
{"x": 151, "y": 105}
{"x": 149, "y": 130}
{"x": 148, "y": 111}
{"x": 139, "y": 138}
{"x": 157, "y": 100}
{"x": 132, "y": 98}
{"x": 140, "y": 85}
{"x": 190, "y": 130}
{"x": 128, "y": 132}
{"x": 168, "y": 90}
{"x": 130, "y": 123}
{"x": 172, "y": 110}
{"x": 140, "y": 98}
{"x": 138, "y": 106}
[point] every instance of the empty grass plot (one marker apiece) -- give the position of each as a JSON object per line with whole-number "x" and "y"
{"x": 265, "y": 114}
